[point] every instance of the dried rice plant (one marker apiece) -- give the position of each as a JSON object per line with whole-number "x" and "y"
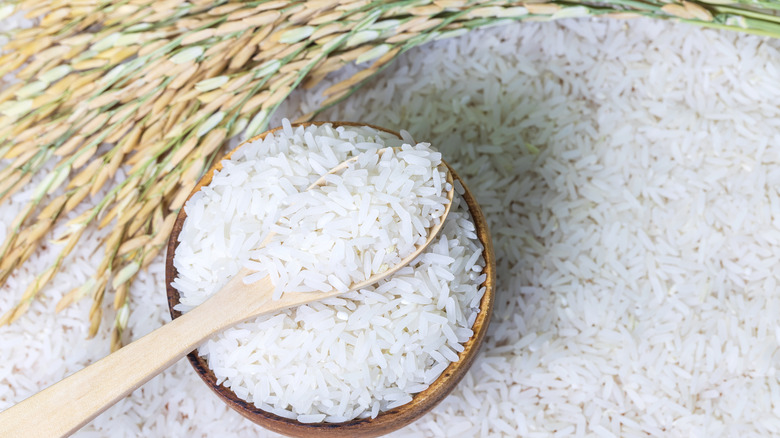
{"x": 157, "y": 87}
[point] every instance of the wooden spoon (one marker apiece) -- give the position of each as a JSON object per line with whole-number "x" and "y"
{"x": 66, "y": 406}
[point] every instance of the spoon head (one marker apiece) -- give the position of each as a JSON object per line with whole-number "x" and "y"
{"x": 387, "y": 421}
{"x": 433, "y": 231}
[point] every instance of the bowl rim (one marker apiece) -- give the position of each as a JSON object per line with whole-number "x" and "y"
{"x": 386, "y": 421}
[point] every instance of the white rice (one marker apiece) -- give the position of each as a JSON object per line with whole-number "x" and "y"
{"x": 629, "y": 171}
{"x": 360, "y": 353}
{"x": 362, "y": 221}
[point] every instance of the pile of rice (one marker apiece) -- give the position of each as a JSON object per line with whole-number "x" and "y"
{"x": 362, "y": 352}
{"x": 358, "y": 222}
{"x": 629, "y": 171}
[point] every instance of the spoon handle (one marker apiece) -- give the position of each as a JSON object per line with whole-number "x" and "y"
{"x": 66, "y": 406}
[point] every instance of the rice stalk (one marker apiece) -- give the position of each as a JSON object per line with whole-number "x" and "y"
{"x": 156, "y": 88}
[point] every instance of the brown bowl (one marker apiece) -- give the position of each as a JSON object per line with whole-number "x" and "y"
{"x": 387, "y": 421}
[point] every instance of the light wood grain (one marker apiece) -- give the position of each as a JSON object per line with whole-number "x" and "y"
{"x": 64, "y": 407}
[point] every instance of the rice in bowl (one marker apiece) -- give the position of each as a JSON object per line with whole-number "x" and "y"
{"x": 348, "y": 357}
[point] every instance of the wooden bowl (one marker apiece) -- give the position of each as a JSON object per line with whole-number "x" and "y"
{"x": 387, "y": 421}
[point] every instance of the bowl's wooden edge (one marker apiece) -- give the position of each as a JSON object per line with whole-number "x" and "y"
{"x": 387, "y": 421}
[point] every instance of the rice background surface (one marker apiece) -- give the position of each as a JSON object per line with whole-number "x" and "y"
{"x": 630, "y": 173}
